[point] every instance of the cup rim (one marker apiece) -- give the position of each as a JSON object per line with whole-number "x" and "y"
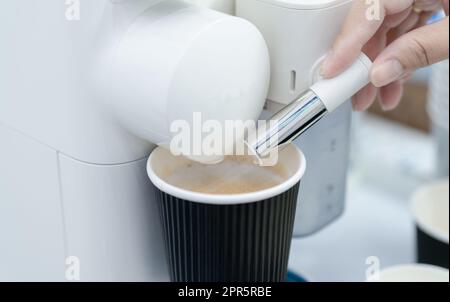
{"x": 402, "y": 268}
{"x": 228, "y": 199}
{"x": 416, "y": 201}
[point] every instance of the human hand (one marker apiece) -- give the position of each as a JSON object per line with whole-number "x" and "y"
{"x": 399, "y": 42}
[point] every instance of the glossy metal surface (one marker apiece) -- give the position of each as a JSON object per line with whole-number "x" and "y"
{"x": 289, "y": 123}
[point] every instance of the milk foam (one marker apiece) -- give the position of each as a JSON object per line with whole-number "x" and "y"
{"x": 234, "y": 175}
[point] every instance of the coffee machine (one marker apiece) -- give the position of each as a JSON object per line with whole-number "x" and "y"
{"x": 85, "y": 87}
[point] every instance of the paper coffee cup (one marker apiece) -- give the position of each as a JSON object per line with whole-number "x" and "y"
{"x": 430, "y": 208}
{"x": 414, "y": 273}
{"x": 228, "y": 238}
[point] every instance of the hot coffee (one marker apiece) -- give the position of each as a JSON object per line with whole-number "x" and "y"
{"x": 235, "y": 175}
{"x": 225, "y": 227}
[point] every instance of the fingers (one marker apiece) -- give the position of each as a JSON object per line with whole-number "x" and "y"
{"x": 413, "y": 21}
{"x": 410, "y": 45}
{"x": 408, "y": 24}
{"x": 363, "y": 22}
{"x": 365, "y": 98}
{"x": 424, "y": 18}
{"x": 355, "y": 33}
{"x": 445, "y": 5}
{"x": 376, "y": 44}
{"x": 428, "y": 5}
{"x": 390, "y": 95}
{"x": 395, "y": 20}
{"x": 421, "y": 47}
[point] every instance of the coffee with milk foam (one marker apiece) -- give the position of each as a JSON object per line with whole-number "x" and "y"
{"x": 234, "y": 175}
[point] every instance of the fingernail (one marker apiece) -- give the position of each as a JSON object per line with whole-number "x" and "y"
{"x": 387, "y": 72}
{"x": 386, "y": 108}
{"x": 360, "y": 104}
{"x": 357, "y": 107}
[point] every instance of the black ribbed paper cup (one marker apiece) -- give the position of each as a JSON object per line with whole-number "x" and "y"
{"x": 228, "y": 238}
{"x": 430, "y": 207}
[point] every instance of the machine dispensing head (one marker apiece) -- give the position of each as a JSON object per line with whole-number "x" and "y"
{"x": 322, "y": 98}
{"x": 176, "y": 69}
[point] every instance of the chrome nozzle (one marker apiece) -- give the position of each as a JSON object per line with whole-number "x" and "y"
{"x": 288, "y": 124}
{"x": 323, "y": 97}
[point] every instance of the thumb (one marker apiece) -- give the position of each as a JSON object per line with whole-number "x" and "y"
{"x": 419, "y": 48}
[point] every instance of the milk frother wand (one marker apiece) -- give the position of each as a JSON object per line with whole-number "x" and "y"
{"x": 320, "y": 99}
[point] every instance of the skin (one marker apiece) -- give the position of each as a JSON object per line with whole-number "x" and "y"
{"x": 399, "y": 43}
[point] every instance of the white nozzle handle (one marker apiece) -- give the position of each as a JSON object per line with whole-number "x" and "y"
{"x": 336, "y": 91}
{"x": 322, "y": 98}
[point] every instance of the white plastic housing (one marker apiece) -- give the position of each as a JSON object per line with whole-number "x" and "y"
{"x": 298, "y": 33}
{"x": 72, "y": 177}
{"x": 177, "y": 59}
{"x": 225, "y": 6}
{"x": 58, "y": 213}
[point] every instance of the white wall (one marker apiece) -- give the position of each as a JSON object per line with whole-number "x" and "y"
{"x": 226, "y": 6}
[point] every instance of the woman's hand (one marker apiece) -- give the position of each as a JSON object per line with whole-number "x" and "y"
{"x": 399, "y": 41}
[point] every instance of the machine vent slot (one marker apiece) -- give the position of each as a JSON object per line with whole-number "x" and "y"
{"x": 293, "y": 84}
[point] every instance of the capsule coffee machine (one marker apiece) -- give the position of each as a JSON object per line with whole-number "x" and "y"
{"x": 87, "y": 88}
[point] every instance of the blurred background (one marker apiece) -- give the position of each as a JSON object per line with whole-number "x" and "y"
{"x": 393, "y": 153}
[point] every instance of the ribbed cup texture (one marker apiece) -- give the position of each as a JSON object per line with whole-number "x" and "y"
{"x": 228, "y": 243}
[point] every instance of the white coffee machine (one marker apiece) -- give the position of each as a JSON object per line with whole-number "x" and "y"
{"x": 76, "y": 130}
